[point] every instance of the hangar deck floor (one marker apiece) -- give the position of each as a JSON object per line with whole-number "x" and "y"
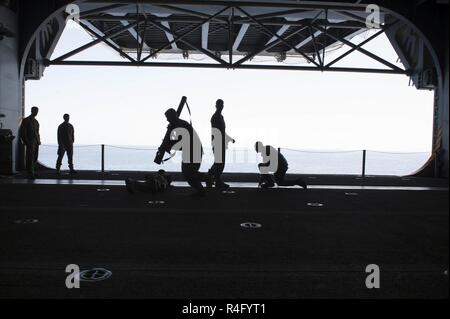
{"x": 195, "y": 247}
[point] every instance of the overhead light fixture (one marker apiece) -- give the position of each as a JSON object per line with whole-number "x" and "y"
{"x": 280, "y": 57}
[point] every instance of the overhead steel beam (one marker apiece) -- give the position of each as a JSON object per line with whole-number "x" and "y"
{"x": 255, "y": 4}
{"x": 384, "y": 30}
{"x": 143, "y": 40}
{"x": 325, "y": 38}
{"x": 354, "y": 46}
{"x": 351, "y": 16}
{"x": 267, "y": 47}
{"x": 308, "y": 39}
{"x": 240, "y": 36}
{"x": 312, "y": 36}
{"x": 316, "y": 48}
{"x": 279, "y": 38}
{"x": 354, "y": 49}
{"x": 230, "y": 36}
{"x": 199, "y": 48}
{"x": 87, "y": 13}
{"x": 193, "y": 13}
{"x": 86, "y": 25}
{"x": 245, "y": 20}
{"x": 205, "y": 34}
{"x": 277, "y": 14}
{"x": 222, "y": 66}
{"x": 101, "y": 39}
{"x": 169, "y": 35}
{"x": 280, "y": 32}
{"x": 135, "y": 35}
{"x": 181, "y": 36}
{"x": 340, "y": 25}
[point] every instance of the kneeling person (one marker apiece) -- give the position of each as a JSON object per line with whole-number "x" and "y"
{"x": 279, "y": 168}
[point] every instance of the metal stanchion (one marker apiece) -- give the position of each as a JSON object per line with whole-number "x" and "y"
{"x": 103, "y": 158}
{"x": 364, "y": 164}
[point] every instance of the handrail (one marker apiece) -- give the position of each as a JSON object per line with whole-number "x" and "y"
{"x": 247, "y": 159}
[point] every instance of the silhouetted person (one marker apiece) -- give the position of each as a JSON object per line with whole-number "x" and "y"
{"x": 191, "y": 157}
{"x": 66, "y": 138}
{"x": 220, "y": 144}
{"x": 152, "y": 183}
{"x": 268, "y": 154}
{"x": 29, "y": 133}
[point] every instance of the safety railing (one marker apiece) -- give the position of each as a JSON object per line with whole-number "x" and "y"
{"x": 354, "y": 162}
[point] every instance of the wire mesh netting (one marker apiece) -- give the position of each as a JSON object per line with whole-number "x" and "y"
{"x": 89, "y": 157}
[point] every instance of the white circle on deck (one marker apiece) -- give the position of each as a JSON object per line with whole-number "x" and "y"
{"x": 26, "y": 221}
{"x": 251, "y": 225}
{"x": 103, "y": 189}
{"x": 115, "y": 174}
{"x": 351, "y": 194}
{"x": 315, "y": 204}
{"x": 228, "y": 192}
{"x": 156, "y": 202}
{"x": 95, "y": 274}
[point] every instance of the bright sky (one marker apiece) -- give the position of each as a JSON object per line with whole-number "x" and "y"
{"x": 293, "y": 109}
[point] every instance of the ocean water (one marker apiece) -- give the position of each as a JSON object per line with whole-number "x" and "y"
{"x": 140, "y": 158}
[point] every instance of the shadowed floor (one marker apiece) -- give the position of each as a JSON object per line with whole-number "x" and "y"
{"x": 183, "y": 247}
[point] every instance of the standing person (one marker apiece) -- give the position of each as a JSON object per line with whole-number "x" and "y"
{"x": 269, "y": 153}
{"x": 220, "y": 141}
{"x": 66, "y": 138}
{"x": 191, "y": 155}
{"x": 29, "y": 134}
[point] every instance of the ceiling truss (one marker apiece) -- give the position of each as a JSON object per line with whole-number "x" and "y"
{"x": 229, "y": 35}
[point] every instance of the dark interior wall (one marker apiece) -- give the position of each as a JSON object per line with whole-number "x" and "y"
{"x": 32, "y": 14}
{"x": 431, "y": 18}
{"x": 443, "y": 116}
{"x": 10, "y": 84}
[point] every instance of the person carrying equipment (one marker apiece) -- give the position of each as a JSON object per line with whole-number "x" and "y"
{"x": 181, "y": 136}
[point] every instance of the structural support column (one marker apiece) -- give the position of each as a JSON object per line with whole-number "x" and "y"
{"x": 443, "y": 117}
